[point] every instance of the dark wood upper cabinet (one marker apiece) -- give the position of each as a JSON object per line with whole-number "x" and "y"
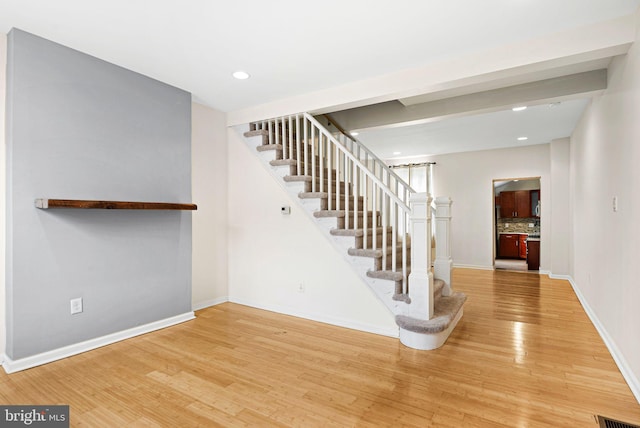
{"x": 516, "y": 204}
{"x": 507, "y": 204}
{"x": 523, "y": 204}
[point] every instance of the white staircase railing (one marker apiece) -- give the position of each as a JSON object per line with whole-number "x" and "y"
{"x": 374, "y": 199}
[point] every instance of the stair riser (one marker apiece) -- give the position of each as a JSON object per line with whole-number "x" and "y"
{"x": 325, "y": 203}
{"x": 378, "y": 263}
{"x": 341, "y": 224}
{"x": 359, "y": 240}
{"x": 325, "y": 187}
{"x": 293, "y": 170}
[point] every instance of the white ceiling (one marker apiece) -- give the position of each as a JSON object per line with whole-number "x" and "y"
{"x": 501, "y": 129}
{"x": 288, "y": 46}
{"x": 291, "y": 47}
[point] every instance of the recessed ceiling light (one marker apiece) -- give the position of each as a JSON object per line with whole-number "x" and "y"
{"x": 354, "y": 134}
{"x": 523, "y": 138}
{"x": 397, "y": 153}
{"x": 241, "y": 75}
{"x": 519, "y": 108}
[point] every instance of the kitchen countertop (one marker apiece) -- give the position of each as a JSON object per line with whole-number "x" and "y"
{"x": 530, "y": 237}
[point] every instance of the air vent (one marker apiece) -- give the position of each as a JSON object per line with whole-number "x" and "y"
{"x": 612, "y": 423}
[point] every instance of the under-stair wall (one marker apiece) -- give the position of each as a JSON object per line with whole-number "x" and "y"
{"x": 271, "y": 254}
{"x": 384, "y": 233}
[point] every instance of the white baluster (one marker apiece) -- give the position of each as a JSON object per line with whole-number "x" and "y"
{"x": 298, "y": 147}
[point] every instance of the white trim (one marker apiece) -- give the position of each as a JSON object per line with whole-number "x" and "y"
{"x": 208, "y": 303}
{"x": 479, "y": 267}
{"x": 11, "y": 366}
{"x": 428, "y": 341}
{"x": 621, "y": 362}
{"x": 340, "y": 322}
{"x": 565, "y": 277}
{"x": 545, "y": 272}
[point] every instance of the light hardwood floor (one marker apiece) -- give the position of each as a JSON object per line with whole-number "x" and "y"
{"x": 524, "y": 355}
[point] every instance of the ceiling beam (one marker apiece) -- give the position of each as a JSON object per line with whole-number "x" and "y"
{"x": 394, "y": 113}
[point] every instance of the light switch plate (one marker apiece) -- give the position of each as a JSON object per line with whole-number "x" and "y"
{"x": 76, "y": 306}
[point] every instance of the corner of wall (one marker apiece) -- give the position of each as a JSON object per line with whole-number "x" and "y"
{"x": 209, "y": 183}
{"x": 3, "y": 162}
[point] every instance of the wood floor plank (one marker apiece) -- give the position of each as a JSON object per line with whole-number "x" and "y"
{"x": 524, "y": 354}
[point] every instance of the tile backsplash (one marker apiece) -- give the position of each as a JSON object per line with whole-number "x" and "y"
{"x": 519, "y": 225}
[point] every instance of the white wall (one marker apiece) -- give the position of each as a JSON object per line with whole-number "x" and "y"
{"x": 270, "y": 254}
{"x": 209, "y": 190}
{"x": 560, "y": 233}
{"x": 605, "y": 155}
{"x": 3, "y": 207}
{"x": 467, "y": 178}
{"x": 82, "y": 128}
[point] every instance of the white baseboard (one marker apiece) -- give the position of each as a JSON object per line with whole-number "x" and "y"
{"x": 565, "y": 277}
{"x": 625, "y": 369}
{"x": 11, "y": 366}
{"x": 479, "y": 267}
{"x": 368, "y": 328}
{"x": 209, "y": 303}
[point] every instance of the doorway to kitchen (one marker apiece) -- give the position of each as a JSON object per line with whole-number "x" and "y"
{"x": 517, "y": 223}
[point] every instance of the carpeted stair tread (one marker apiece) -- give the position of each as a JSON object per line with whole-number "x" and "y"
{"x": 338, "y": 213}
{"x": 313, "y": 195}
{"x": 256, "y": 133}
{"x": 325, "y": 195}
{"x": 283, "y": 162}
{"x": 377, "y": 253}
{"x": 309, "y": 179}
{"x": 402, "y": 297}
{"x": 385, "y": 274}
{"x": 444, "y": 312}
{"x": 438, "y": 285}
{"x": 356, "y": 232}
{"x": 267, "y": 147}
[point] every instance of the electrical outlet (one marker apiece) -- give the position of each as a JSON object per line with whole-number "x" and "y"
{"x": 76, "y": 306}
{"x": 615, "y": 204}
{"x": 301, "y": 287}
{"x": 506, "y": 225}
{"x": 531, "y": 225}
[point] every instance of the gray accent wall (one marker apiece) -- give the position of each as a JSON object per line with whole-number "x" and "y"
{"x": 81, "y": 128}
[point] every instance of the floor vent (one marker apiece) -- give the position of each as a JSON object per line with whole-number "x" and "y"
{"x": 612, "y": 423}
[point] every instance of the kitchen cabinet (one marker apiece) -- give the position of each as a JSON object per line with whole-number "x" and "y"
{"x": 522, "y": 247}
{"x": 509, "y": 246}
{"x": 507, "y": 204}
{"x": 533, "y": 255}
{"x": 515, "y": 204}
{"x": 513, "y": 246}
{"x": 535, "y": 203}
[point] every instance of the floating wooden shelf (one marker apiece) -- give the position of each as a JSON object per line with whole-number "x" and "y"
{"x": 111, "y": 205}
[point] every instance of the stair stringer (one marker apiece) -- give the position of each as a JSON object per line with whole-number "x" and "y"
{"x": 382, "y": 288}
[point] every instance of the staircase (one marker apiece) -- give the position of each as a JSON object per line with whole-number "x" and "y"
{"x": 372, "y": 217}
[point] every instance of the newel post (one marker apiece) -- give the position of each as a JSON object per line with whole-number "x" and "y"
{"x": 443, "y": 263}
{"x": 421, "y": 278}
